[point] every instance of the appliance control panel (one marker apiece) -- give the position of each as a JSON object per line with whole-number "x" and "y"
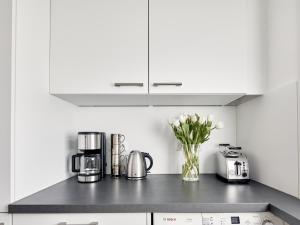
{"x": 237, "y": 169}
{"x": 241, "y": 218}
{"x": 263, "y": 218}
{"x": 177, "y": 218}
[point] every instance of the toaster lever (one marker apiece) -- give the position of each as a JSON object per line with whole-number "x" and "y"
{"x": 238, "y": 170}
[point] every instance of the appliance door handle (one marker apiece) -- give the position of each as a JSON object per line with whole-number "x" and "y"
{"x": 146, "y": 155}
{"x": 64, "y": 223}
{"x": 156, "y": 84}
{"x": 129, "y": 84}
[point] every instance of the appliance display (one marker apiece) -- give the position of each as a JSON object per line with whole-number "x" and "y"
{"x": 90, "y": 163}
{"x": 137, "y": 168}
{"x": 232, "y": 165}
{"x": 261, "y": 218}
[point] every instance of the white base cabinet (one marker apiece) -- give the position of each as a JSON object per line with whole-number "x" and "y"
{"x": 5, "y": 219}
{"x": 81, "y": 218}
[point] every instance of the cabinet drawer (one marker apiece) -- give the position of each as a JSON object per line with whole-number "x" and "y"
{"x": 5, "y": 219}
{"x": 81, "y": 219}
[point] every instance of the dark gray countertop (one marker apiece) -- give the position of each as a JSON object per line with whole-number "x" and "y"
{"x": 159, "y": 193}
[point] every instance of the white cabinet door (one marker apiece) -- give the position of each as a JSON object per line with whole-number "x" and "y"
{"x": 5, "y": 219}
{"x": 197, "y": 46}
{"x": 82, "y": 219}
{"x": 98, "y": 43}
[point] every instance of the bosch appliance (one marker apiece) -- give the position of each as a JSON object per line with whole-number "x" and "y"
{"x": 137, "y": 168}
{"x": 232, "y": 165}
{"x": 262, "y": 218}
{"x": 90, "y": 162}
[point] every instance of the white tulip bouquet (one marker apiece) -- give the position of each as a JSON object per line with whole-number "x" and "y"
{"x": 192, "y": 130}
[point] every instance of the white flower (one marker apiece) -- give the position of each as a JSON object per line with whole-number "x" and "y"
{"x": 183, "y": 118}
{"x": 201, "y": 119}
{"x": 176, "y": 123}
{"x": 210, "y": 118}
{"x": 220, "y": 125}
{"x": 194, "y": 118}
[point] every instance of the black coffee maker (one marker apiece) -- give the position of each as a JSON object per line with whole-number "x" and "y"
{"x": 90, "y": 162}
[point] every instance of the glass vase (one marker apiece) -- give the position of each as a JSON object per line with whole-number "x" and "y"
{"x": 190, "y": 168}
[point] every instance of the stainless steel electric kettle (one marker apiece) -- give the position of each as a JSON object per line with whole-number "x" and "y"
{"x": 137, "y": 168}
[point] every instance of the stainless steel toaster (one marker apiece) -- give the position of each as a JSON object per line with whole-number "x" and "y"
{"x": 232, "y": 165}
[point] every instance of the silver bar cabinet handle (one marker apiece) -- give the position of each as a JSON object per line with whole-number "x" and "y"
{"x": 129, "y": 84}
{"x": 64, "y": 223}
{"x": 167, "y": 84}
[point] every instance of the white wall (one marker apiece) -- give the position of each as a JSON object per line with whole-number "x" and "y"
{"x": 282, "y": 42}
{"x": 267, "y": 126}
{"x": 146, "y": 129}
{"x": 267, "y": 129}
{"x": 43, "y": 123}
{"x": 5, "y": 82}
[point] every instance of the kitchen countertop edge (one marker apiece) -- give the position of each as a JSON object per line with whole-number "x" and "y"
{"x": 256, "y": 197}
{"x": 155, "y": 208}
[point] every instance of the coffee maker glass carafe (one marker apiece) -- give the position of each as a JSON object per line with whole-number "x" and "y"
{"x": 89, "y": 167}
{"x": 90, "y": 164}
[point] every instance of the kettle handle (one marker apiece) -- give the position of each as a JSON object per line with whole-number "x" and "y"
{"x": 146, "y": 155}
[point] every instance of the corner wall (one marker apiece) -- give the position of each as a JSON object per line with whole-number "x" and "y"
{"x": 267, "y": 127}
{"x": 267, "y": 130}
{"x": 44, "y": 130}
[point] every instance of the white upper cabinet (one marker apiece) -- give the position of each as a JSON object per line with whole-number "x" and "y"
{"x": 129, "y": 52}
{"x": 197, "y": 46}
{"x": 99, "y": 47}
